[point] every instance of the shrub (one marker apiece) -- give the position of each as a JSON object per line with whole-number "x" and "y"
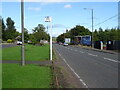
{"x": 9, "y": 41}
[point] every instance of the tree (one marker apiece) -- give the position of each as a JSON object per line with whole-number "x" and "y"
{"x": 101, "y": 34}
{"x": 10, "y": 32}
{"x": 26, "y": 35}
{"x": 60, "y": 38}
{"x": 118, "y": 33}
{"x": 39, "y": 28}
{"x": 95, "y": 37}
{"x": 2, "y": 28}
{"x": 39, "y": 33}
{"x": 76, "y": 31}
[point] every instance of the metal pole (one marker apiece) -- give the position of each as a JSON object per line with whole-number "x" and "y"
{"x": 51, "y": 41}
{"x": 92, "y": 31}
{"x": 22, "y": 28}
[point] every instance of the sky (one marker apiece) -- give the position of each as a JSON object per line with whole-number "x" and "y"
{"x": 65, "y": 15}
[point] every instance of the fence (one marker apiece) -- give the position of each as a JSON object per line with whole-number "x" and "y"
{"x": 110, "y": 45}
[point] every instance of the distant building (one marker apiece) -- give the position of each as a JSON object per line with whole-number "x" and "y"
{"x": 84, "y": 40}
{"x": 43, "y": 41}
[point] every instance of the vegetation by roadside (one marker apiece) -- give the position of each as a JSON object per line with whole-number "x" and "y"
{"x": 32, "y": 52}
{"x": 28, "y": 76}
{"x": 0, "y": 75}
{"x": 12, "y": 53}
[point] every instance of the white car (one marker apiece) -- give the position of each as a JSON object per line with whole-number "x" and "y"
{"x": 19, "y": 43}
{"x": 65, "y": 44}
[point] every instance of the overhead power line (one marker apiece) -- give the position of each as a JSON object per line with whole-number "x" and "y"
{"x": 104, "y": 21}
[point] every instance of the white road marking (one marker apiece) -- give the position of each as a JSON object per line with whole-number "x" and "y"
{"x": 59, "y": 54}
{"x": 85, "y": 85}
{"x": 92, "y": 54}
{"x": 76, "y": 50}
{"x": 112, "y": 60}
{"x": 81, "y": 52}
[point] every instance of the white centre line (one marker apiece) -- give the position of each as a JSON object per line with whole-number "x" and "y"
{"x": 112, "y": 60}
{"x": 76, "y": 50}
{"x": 81, "y": 52}
{"x": 92, "y": 54}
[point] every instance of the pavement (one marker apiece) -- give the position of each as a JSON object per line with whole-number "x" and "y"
{"x": 7, "y": 45}
{"x": 42, "y": 63}
{"x": 95, "y": 49}
{"x": 93, "y": 68}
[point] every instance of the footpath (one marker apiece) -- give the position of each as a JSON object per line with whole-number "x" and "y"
{"x": 42, "y": 63}
{"x": 99, "y": 50}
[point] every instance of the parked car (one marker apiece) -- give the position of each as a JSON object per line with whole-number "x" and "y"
{"x": 60, "y": 43}
{"x": 19, "y": 43}
{"x": 65, "y": 44}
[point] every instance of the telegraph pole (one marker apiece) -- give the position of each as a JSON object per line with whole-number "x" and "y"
{"x": 22, "y": 29}
{"x": 92, "y": 42}
{"x": 92, "y": 31}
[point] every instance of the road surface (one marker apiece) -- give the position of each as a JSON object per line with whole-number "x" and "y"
{"x": 7, "y": 45}
{"x": 94, "y": 69}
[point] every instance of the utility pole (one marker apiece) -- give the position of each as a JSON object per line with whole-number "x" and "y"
{"x": 22, "y": 29}
{"x": 92, "y": 40}
{"x": 92, "y": 31}
{"x": 119, "y": 15}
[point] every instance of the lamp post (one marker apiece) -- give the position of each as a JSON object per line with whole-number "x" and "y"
{"x": 49, "y": 19}
{"x": 22, "y": 29}
{"x": 92, "y": 26}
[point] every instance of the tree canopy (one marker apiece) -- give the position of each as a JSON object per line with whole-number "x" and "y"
{"x": 98, "y": 35}
{"x": 76, "y": 31}
{"x": 8, "y": 31}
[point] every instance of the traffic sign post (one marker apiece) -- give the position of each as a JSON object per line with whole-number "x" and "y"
{"x": 49, "y": 19}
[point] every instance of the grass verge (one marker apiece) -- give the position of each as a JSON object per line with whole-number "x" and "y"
{"x": 32, "y": 52}
{"x": 28, "y": 76}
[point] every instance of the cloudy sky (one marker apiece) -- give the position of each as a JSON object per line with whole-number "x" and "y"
{"x": 65, "y": 15}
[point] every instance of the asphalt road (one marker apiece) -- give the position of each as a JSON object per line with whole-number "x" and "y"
{"x": 8, "y": 45}
{"x": 94, "y": 69}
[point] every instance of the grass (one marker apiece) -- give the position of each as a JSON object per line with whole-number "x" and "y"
{"x": 28, "y": 76}
{"x": 0, "y": 75}
{"x": 0, "y": 54}
{"x": 37, "y": 52}
{"x": 32, "y": 52}
{"x": 12, "y": 53}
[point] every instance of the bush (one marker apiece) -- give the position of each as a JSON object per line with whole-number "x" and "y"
{"x": 9, "y": 41}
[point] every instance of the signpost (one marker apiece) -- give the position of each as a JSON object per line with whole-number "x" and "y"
{"x": 49, "y": 19}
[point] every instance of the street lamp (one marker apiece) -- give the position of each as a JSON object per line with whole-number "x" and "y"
{"x": 49, "y": 19}
{"x": 22, "y": 29}
{"x": 92, "y": 24}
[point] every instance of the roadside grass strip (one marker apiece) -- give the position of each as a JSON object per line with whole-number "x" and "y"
{"x": 32, "y": 52}
{"x": 28, "y": 76}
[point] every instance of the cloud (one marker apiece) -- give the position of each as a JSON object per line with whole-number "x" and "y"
{"x": 34, "y": 8}
{"x": 56, "y": 33}
{"x": 67, "y": 6}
